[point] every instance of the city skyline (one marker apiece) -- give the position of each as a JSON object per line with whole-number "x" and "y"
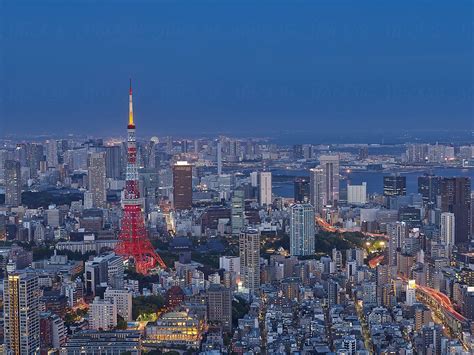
{"x": 291, "y": 177}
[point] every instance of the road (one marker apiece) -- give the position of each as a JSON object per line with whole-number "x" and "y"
{"x": 329, "y": 228}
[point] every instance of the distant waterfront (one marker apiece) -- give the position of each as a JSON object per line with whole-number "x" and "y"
{"x": 284, "y": 187}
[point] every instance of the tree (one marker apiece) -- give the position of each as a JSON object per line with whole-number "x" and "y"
{"x": 239, "y": 309}
{"x": 121, "y": 323}
{"x": 145, "y": 305}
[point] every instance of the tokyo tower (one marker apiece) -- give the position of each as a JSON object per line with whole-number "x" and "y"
{"x": 133, "y": 241}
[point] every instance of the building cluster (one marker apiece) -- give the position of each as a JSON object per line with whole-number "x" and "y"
{"x": 268, "y": 249}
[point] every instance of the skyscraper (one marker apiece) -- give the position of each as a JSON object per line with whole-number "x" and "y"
{"x": 394, "y": 185}
{"x": 265, "y": 188}
{"x": 301, "y": 190}
{"x": 113, "y": 162}
{"x": 12, "y": 183}
{"x": 397, "y": 232}
{"x": 237, "y": 212}
{"x": 21, "y": 313}
{"x": 97, "y": 173}
{"x": 330, "y": 166}
{"x": 429, "y": 188}
{"x": 357, "y": 194}
{"x": 35, "y": 156}
{"x": 219, "y": 302}
{"x": 297, "y": 151}
{"x": 448, "y": 230}
{"x": 254, "y": 178}
{"x": 219, "y": 158}
{"x": 52, "y": 153}
{"x": 302, "y": 229}
{"x": 249, "y": 251}
{"x": 456, "y": 198}
{"x": 182, "y": 185}
{"x": 316, "y": 179}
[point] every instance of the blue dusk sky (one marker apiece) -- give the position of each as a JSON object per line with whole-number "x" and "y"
{"x": 246, "y": 68}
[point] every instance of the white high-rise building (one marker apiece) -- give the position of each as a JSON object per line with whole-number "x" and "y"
{"x": 357, "y": 194}
{"x": 21, "y": 314}
{"x": 410, "y": 293}
{"x": 97, "y": 174}
{"x": 230, "y": 263}
{"x": 88, "y": 200}
{"x": 102, "y": 314}
{"x": 302, "y": 229}
{"x": 219, "y": 158}
{"x": 249, "y": 250}
{"x": 447, "y": 231}
{"x": 316, "y": 180}
{"x": 123, "y": 301}
{"x": 265, "y": 188}
{"x": 254, "y": 178}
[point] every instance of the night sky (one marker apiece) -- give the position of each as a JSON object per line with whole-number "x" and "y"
{"x": 236, "y": 67}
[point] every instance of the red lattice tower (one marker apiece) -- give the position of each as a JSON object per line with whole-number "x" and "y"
{"x": 133, "y": 241}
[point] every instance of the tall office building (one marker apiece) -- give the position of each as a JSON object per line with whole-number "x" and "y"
{"x": 357, "y": 194}
{"x": 302, "y": 229}
{"x": 298, "y": 151}
{"x": 249, "y": 251}
{"x": 394, "y": 185}
{"x": 113, "y": 162}
{"x": 330, "y": 166}
{"x": 429, "y": 188}
{"x": 316, "y": 179}
{"x": 97, "y": 173}
{"x": 52, "y": 153}
{"x": 35, "y": 156}
{"x": 332, "y": 292}
{"x": 363, "y": 153}
{"x": 417, "y": 153}
{"x": 254, "y": 179}
{"x": 301, "y": 190}
{"x": 12, "y": 183}
{"x": 448, "y": 230}
{"x": 219, "y": 158}
{"x": 103, "y": 269}
{"x": 21, "y": 314}
{"x": 397, "y": 232}
{"x": 265, "y": 188}
{"x": 182, "y": 185}
{"x": 456, "y": 198}
{"x": 237, "y": 212}
{"x": 219, "y": 303}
